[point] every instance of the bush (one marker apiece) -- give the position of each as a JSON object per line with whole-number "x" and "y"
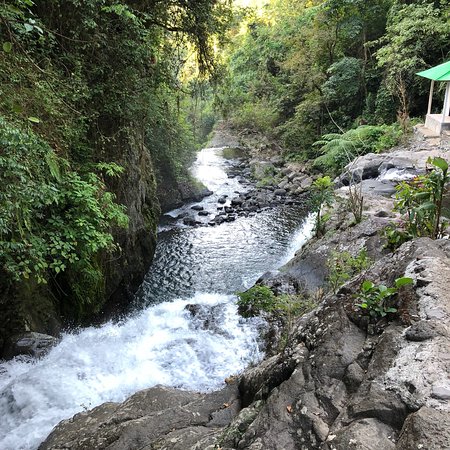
{"x": 342, "y": 266}
{"x": 259, "y": 299}
{"x": 338, "y": 150}
{"x": 375, "y": 299}
{"x": 51, "y": 217}
{"x": 256, "y": 116}
{"x": 421, "y": 202}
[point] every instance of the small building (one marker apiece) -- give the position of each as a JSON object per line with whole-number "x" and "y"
{"x": 438, "y": 122}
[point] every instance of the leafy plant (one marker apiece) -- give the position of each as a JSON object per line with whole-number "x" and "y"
{"x": 260, "y": 299}
{"x": 52, "y": 217}
{"x": 421, "y": 201}
{"x": 322, "y": 195}
{"x": 342, "y": 266}
{"x": 374, "y": 299}
{"x": 255, "y": 300}
{"x": 339, "y": 149}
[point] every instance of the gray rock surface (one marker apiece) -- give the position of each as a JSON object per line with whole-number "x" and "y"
{"x": 162, "y": 418}
{"x": 30, "y": 343}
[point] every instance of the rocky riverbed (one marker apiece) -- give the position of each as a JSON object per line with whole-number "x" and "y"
{"x": 338, "y": 382}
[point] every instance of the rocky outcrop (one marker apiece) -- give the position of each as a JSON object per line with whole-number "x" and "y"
{"x": 136, "y": 189}
{"x": 157, "y": 418}
{"x": 337, "y": 384}
{"x": 347, "y": 388}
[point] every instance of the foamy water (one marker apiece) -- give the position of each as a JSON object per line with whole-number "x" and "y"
{"x": 164, "y": 344}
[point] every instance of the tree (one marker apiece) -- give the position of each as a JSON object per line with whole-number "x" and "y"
{"x": 417, "y": 36}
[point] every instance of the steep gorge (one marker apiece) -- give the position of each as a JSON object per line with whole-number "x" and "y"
{"x": 90, "y": 118}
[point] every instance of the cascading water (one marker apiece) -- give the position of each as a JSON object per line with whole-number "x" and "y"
{"x": 187, "y": 334}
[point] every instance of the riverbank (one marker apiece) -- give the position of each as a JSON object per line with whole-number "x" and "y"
{"x": 340, "y": 381}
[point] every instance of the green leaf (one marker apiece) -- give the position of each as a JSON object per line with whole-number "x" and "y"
{"x": 428, "y": 206}
{"x": 34, "y": 119}
{"x": 403, "y": 281}
{"x": 367, "y": 285}
{"x": 7, "y": 47}
{"x": 28, "y": 27}
{"x": 441, "y": 163}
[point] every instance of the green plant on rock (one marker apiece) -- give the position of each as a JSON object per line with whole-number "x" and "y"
{"x": 255, "y": 300}
{"x": 52, "y": 218}
{"x": 322, "y": 195}
{"x": 421, "y": 202}
{"x": 259, "y": 299}
{"x": 342, "y": 266}
{"x": 374, "y": 299}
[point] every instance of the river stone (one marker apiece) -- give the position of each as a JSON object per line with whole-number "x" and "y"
{"x": 280, "y": 192}
{"x": 31, "y": 344}
{"x": 197, "y": 208}
{"x": 189, "y": 221}
{"x": 203, "y": 213}
{"x": 237, "y": 201}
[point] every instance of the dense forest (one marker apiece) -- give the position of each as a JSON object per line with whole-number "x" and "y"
{"x": 102, "y": 101}
{"x": 300, "y": 70}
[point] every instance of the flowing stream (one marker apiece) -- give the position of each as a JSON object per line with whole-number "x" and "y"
{"x": 185, "y": 332}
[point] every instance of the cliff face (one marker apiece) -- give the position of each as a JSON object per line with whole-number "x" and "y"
{"x": 136, "y": 189}
{"x": 46, "y": 308}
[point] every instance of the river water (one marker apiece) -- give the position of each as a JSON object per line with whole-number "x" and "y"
{"x": 196, "y": 269}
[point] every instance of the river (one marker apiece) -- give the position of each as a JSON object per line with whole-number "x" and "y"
{"x": 162, "y": 342}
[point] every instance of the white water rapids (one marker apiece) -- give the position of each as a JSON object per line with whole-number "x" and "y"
{"x": 162, "y": 344}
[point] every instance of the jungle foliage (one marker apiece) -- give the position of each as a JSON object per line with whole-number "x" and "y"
{"x": 301, "y": 69}
{"x": 82, "y": 82}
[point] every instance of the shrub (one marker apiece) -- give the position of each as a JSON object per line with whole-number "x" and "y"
{"x": 342, "y": 266}
{"x": 260, "y": 299}
{"x": 321, "y": 195}
{"x": 340, "y": 149}
{"x": 51, "y": 217}
{"x": 374, "y": 299}
{"x": 421, "y": 201}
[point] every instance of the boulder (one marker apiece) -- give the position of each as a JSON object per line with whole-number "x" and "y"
{"x": 29, "y": 343}
{"x": 154, "y": 418}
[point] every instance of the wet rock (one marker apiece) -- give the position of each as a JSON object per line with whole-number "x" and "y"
{"x": 203, "y": 213}
{"x": 197, "y": 208}
{"x": 29, "y": 343}
{"x": 222, "y": 200}
{"x": 189, "y": 221}
{"x": 237, "y": 201}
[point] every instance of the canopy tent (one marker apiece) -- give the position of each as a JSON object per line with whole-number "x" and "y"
{"x": 438, "y": 122}
{"x": 437, "y": 73}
